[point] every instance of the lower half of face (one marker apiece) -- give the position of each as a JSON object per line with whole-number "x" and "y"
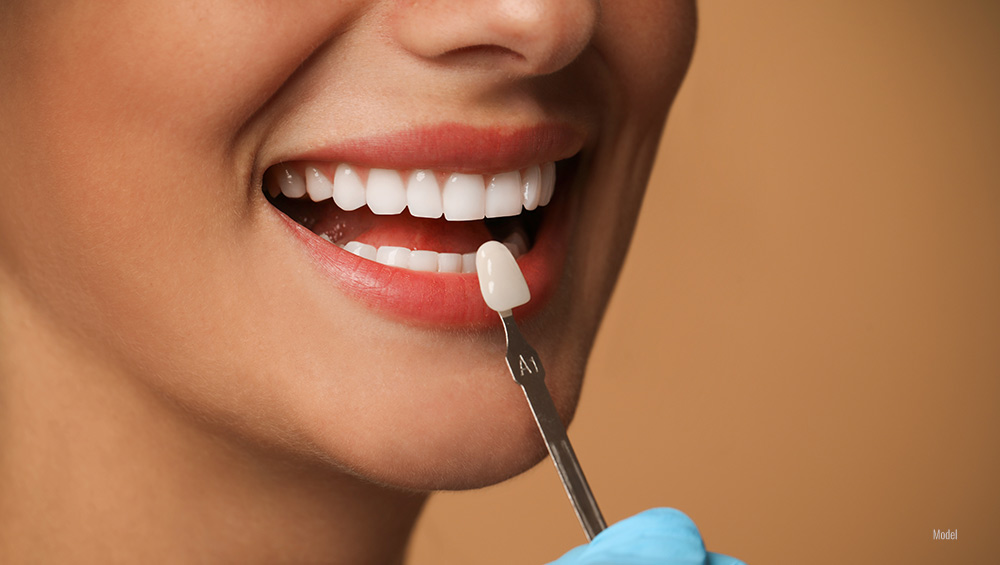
{"x": 277, "y": 240}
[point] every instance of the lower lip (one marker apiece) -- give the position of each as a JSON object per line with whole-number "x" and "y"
{"x": 438, "y": 299}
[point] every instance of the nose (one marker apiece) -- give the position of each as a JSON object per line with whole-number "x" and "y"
{"x": 519, "y": 37}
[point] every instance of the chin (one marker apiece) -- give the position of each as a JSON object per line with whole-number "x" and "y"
{"x": 463, "y": 425}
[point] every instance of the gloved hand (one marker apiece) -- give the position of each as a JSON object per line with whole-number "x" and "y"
{"x": 661, "y": 536}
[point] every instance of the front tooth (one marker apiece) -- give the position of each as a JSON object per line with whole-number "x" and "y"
{"x": 361, "y": 249}
{"x": 464, "y": 197}
{"x": 450, "y": 262}
{"x": 385, "y": 193}
{"x": 423, "y": 195}
{"x": 503, "y": 195}
{"x": 393, "y": 256}
{"x": 317, "y": 185}
{"x": 531, "y": 185}
{"x": 548, "y": 183}
{"x": 348, "y": 192}
{"x": 421, "y": 260}
{"x": 468, "y": 262}
{"x": 291, "y": 182}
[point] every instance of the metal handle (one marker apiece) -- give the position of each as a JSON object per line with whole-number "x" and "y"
{"x": 527, "y": 370}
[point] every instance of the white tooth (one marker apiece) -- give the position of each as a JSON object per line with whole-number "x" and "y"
{"x": 548, "y": 183}
{"x": 385, "y": 192}
{"x": 361, "y": 249}
{"x": 517, "y": 244}
{"x": 393, "y": 256}
{"x": 317, "y": 185}
{"x": 464, "y": 197}
{"x": 348, "y": 192}
{"x": 423, "y": 195}
{"x": 468, "y": 262}
{"x": 531, "y": 185}
{"x": 450, "y": 262}
{"x": 421, "y": 260}
{"x": 503, "y": 195}
{"x": 291, "y": 182}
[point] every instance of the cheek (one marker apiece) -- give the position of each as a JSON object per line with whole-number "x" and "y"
{"x": 123, "y": 201}
{"x": 648, "y": 46}
{"x": 123, "y": 139}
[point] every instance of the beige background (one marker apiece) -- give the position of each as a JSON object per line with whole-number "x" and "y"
{"x": 803, "y": 352}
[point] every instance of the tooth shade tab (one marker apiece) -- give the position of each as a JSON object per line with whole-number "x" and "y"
{"x": 424, "y": 192}
{"x": 500, "y": 279}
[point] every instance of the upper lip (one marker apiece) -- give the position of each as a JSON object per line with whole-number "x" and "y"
{"x": 452, "y": 147}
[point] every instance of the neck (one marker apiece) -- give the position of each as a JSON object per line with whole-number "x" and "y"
{"x": 94, "y": 470}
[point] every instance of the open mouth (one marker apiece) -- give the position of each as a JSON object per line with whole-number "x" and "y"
{"x": 401, "y": 237}
{"x": 417, "y": 219}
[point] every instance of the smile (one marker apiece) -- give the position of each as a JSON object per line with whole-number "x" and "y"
{"x": 457, "y": 197}
{"x": 403, "y": 239}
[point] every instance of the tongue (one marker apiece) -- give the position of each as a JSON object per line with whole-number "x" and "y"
{"x": 402, "y": 230}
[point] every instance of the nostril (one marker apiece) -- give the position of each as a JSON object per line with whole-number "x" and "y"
{"x": 479, "y": 54}
{"x": 488, "y": 50}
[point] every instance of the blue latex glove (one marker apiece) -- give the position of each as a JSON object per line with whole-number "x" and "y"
{"x": 661, "y": 536}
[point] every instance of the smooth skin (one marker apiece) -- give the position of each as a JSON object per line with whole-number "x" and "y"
{"x": 178, "y": 383}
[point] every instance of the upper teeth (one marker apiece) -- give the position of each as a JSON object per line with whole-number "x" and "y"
{"x": 461, "y": 197}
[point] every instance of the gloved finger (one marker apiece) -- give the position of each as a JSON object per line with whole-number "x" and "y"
{"x": 571, "y": 557}
{"x": 661, "y": 536}
{"x": 720, "y": 559}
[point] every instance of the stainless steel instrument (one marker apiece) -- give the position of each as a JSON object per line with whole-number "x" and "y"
{"x": 527, "y": 370}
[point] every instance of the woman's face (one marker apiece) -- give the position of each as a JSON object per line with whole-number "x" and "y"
{"x": 141, "y": 143}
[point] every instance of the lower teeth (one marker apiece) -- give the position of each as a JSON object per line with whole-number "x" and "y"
{"x": 421, "y": 259}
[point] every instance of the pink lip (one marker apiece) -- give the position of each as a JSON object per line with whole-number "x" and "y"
{"x": 453, "y": 147}
{"x": 439, "y": 299}
{"x": 447, "y": 299}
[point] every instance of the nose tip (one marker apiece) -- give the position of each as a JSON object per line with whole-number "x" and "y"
{"x": 522, "y": 37}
